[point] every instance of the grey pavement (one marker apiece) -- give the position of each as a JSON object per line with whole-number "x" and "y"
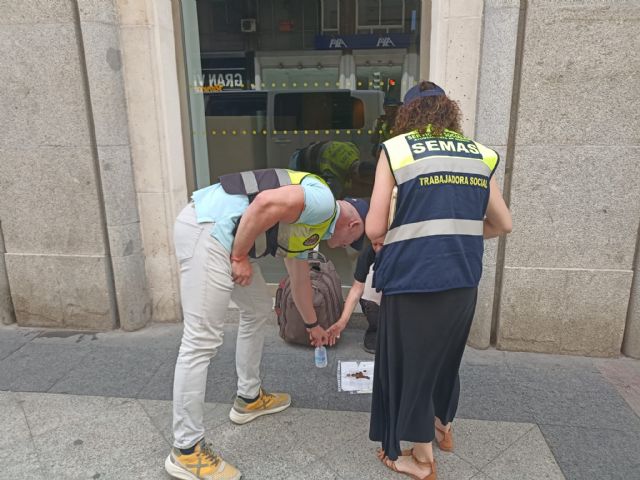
{"x": 82, "y": 405}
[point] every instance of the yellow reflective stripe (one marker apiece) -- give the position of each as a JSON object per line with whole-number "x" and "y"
{"x": 428, "y": 228}
{"x": 489, "y": 156}
{"x": 399, "y": 152}
{"x": 296, "y": 177}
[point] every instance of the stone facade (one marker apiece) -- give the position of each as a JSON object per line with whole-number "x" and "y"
{"x": 93, "y": 169}
{"x": 69, "y": 216}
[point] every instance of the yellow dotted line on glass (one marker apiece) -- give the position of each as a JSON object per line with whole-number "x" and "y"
{"x": 238, "y": 133}
{"x": 252, "y": 86}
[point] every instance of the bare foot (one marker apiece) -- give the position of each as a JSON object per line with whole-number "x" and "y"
{"x": 408, "y": 464}
{"x": 441, "y": 430}
{"x": 382, "y": 455}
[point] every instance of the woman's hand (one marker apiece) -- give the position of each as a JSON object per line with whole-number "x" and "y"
{"x": 335, "y": 330}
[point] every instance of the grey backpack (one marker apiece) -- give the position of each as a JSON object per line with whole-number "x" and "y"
{"x": 327, "y": 302}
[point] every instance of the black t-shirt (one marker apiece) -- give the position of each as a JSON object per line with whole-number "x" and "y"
{"x": 365, "y": 260}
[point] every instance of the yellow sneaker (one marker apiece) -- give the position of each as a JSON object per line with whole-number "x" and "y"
{"x": 202, "y": 464}
{"x": 243, "y": 412}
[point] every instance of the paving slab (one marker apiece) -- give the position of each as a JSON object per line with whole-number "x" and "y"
{"x": 113, "y": 438}
{"x": 21, "y": 462}
{"x": 13, "y": 427}
{"x": 576, "y": 398}
{"x": 497, "y": 438}
{"x": 36, "y": 367}
{"x": 529, "y": 458}
{"x": 106, "y": 371}
{"x": 585, "y": 453}
{"x": 160, "y": 412}
{"x": 624, "y": 374}
{"x": 489, "y": 393}
{"x": 119, "y": 442}
{"x": 7, "y": 347}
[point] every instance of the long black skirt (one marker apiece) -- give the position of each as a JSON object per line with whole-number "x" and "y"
{"x": 421, "y": 339}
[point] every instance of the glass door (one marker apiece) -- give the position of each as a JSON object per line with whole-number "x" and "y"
{"x": 274, "y": 81}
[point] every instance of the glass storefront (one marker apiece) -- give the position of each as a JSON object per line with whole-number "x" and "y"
{"x": 274, "y": 82}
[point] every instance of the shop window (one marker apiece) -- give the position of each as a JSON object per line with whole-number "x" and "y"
{"x": 380, "y": 16}
{"x": 287, "y": 24}
{"x": 380, "y": 77}
{"x": 229, "y": 104}
{"x": 318, "y": 111}
{"x": 330, "y": 15}
{"x": 299, "y": 77}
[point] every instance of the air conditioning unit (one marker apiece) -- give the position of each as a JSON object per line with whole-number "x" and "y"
{"x": 248, "y": 25}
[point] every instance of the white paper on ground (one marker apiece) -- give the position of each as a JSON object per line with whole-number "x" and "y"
{"x": 355, "y": 377}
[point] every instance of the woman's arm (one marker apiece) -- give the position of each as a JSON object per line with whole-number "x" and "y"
{"x": 355, "y": 292}
{"x": 376, "y": 223}
{"x": 497, "y": 219}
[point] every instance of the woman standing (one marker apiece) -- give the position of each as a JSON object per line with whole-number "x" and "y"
{"x": 428, "y": 270}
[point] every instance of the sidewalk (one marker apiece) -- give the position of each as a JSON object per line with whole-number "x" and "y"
{"x": 97, "y": 406}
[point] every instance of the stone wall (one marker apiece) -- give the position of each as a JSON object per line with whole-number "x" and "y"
{"x": 495, "y": 90}
{"x": 568, "y": 264}
{"x": 67, "y": 206}
{"x": 155, "y": 129}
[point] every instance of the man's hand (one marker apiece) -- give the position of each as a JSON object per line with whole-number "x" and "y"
{"x": 318, "y": 336}
{"x": 335, "y": 330}
{"x": 241, "y": 271}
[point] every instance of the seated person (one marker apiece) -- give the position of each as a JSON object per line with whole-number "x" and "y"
{"x": 338, "y": 163}
{"x": 363, "y": 291}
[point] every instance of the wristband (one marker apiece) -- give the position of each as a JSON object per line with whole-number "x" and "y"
{"x": 309, "y": 326}
{"x": 241, "y": 258}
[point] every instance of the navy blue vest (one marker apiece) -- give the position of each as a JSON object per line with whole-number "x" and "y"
{"x": 435, "y": 240}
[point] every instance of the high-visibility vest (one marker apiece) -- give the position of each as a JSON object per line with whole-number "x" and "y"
{"x": 435, "y": 241}
{"x": 282, "y": 239}
{"x": 332, "y": 160}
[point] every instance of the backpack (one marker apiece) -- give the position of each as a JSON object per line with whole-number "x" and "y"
{"x": 327, "y": 302}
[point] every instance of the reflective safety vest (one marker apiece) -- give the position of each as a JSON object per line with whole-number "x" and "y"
{"x": 435, "y": 241}
{"x": 282, "y": 239}
{"x": 332, "y": 160}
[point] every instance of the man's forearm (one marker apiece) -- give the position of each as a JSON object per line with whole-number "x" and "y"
{"x": 282, "y": 204}
{"x": 251, "y": 225}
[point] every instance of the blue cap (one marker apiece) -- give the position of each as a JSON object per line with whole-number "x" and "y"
{"x": 362, "y": 207}
{"x": 415, "y": 93}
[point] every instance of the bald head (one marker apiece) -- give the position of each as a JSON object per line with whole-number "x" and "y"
{"x": 349, "y": 226}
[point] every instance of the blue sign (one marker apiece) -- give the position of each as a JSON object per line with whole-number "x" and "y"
{"x": 383, "y": 40}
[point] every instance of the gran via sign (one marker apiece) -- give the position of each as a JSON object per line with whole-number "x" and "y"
{"x": 340, "y": 42}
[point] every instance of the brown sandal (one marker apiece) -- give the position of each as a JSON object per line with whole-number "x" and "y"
{"x": 391, "y": 465}
{"x": 446, "y": 444}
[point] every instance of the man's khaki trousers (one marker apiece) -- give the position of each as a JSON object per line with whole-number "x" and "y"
{"x": 206, "y": 287}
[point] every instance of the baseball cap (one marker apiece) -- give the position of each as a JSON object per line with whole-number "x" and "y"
{"x": 415, "y": 93}
{"x": 362, "y": 207}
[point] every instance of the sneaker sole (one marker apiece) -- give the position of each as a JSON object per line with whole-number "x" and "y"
{"x": 242, "y": 418}
{"x": 180, "y": 473}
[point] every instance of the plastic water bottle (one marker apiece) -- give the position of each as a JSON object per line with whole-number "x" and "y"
{"x": 321, "y": 357}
